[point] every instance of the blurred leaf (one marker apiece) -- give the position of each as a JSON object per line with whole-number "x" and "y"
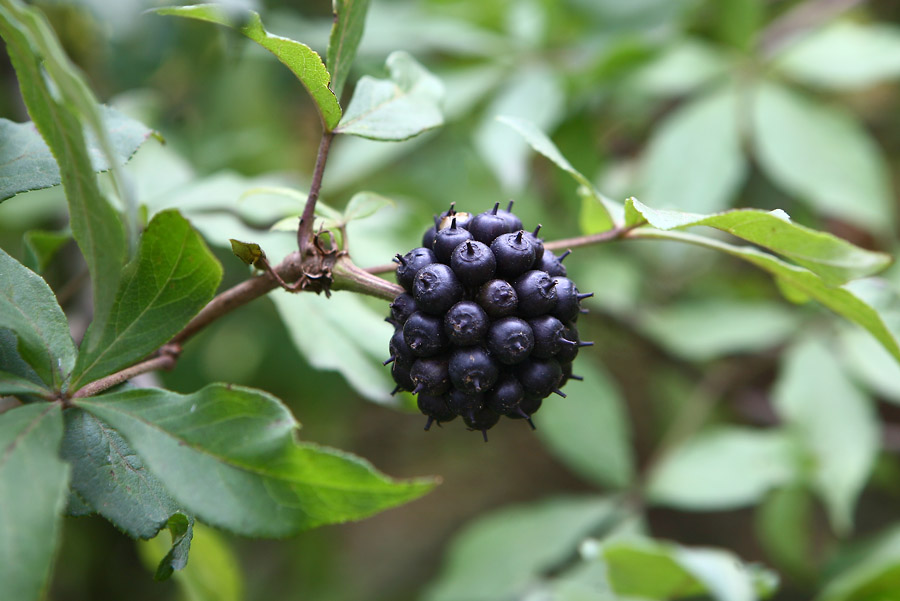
{"x": 181, "y": 528}
{"x": 26, "y": 162}
{"x": 833, "y": 421}
{"x": 873, "y": 576}
{"x": 694, "y": 160}
{"x": 57, "y": 99}
{"x": 712, "y": 328}
{"x": 725, "y": 468}
{"x": 340, "y": 334}
{"x": 871, "y": 364}
{"x": 42, "y": 246}
{"x": 303, "y": 62}
{"x": 589, "y": 430}
{"x": 844, "y": 55}
{"x": 172, "y": 277}
{"x": 248, "y": 252}
{"x": 365, "y": 204}
{"x": 535, "y": 97}
{"x": 681, "y": 68}
{"x": 349, "y": 20}
{"x": 784, "y": 528}
{"x": 112, "y": 479}
{"x": 28, "y": 308}
{"x": 502, "y": 554}
{"x": 822, "y": 155}
{"x": 228, "y": 455}
{"x": 213, "y": 574}
{"x": 397, "y": 108}
{"x": 11, "y": 384}
{"x": 32, "y": 498}
{"x": 826, "y": 255}
{"x": 849, "y": 300}
{"x": 739, "y": 22}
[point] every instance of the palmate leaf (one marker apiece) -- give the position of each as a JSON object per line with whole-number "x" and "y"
{"x": 228, "y": 455}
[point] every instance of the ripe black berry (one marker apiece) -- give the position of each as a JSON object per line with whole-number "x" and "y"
{"x": 510, "y": 340}
{"x": 536, "y": 242}
{"x": 409, "y": 265}
{"x": 400, "y": 351}
{"x": 505, "y": 396}
{"x": 488, "y": 225}
{"x": 430, "y": 375}
{"x": 463, "y": 403}
{"x": 515, "y": 254}
{"x": 466, "y": 323}
{"x": 570, "y": 344}
{"x": 568, "y": 299}
{"x": 536, "y": 292}
{"x": 553, "y": 264}
{"x": 447, "y": 239}
{"x": 539, "y": 377}
{"x": 436, "y": 288}
{"x": 435, "y": 407}
{"x": 482, "y": 419}
{"x": 401, "y": 308}
{"x": 472, "y": 369}
{"x": 512, "y": 220}
{"x": 473, "y": 263}
{"x": 428, "y": 237}
{"x": 498, "y": 298}
{"x": 400, "y": 373}
{"x": 548, "y": 335}
{"x": 424, "y": 334}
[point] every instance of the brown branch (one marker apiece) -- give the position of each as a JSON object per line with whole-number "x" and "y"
{"x": 616, "y": 233}
{"x": 348, "y": 276}
{"x": 384, "y": 268}
{"x": 306, "y": 220}
{"x": 166, "y": 360}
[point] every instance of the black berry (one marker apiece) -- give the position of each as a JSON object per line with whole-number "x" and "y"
{"x": 488, "y": 225}
{"x": 424, "y": 334}
{"x": 436, "y": 288}
{"x": 482, "y": 419}
{"x": 514, "y": 253}
{"x": 568, "y": 299}
{"x": 539, "y": 377}
{"x": 473, "y": 263}
{"x": 553, "y": 264}
{"x": 447, "y": 239}
{"x": 536, "y": 242}
{"x": 510, "y": 340}
{"x": 512, "y": 221}
{"x": 435, "y": 407}
{"x": 430, "y": 375}
{"x": 466, "y": 323}
{"x": 548, "y": 335}
{"x": 472, "y": 369}
{"x": 498, "y": 298}
{"x": 409, "y": 265}
{"x": 402, "y": 307}
{"x": 505, "y": 396}
{"x": 463, "y": 403}
{"x": 536, "y": 292}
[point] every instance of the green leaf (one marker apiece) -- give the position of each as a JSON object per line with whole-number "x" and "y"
{"x": 601, "y": 209}
{"x": 213, "y": 574}
{"x": 303, "y": 62}
{"x": 823, "y": 156}
{"x": 42, "y": 246}
{"x": 32, "y": 498}
{"x": 57, "y": 100}
{"x": 848, "y": 300}
{"x": 724, "y": 468}
{"x": 785, "y": 530}
{"x": 365, "y": 204}
{"x": 873, "y": 576}
{"x": 11, "y": 384}
{"x": 589, "y": 430}
{"x": 347, "y": 30}
{"x": 501, "y": 555}
{"x": 826, "y": 255}
{"x": 11, "y": 361}
{"x": 248, "y": 252}
{"x": 694, "y": 160}
{"x": 28, "y": 308}
{"x": 871, "y": 364}
{"x": 172, "y": 277}
{"x": 844, "y": 55}
{"x": 834, "y": 422}
{"x": 397, "y": 108}
{"x": 111, "y": 478}
{"x": 228, "y": 455}
{"x": 681, "y": 68}
{"x": 26, "y": 162}
{"x": 181, "y": 527}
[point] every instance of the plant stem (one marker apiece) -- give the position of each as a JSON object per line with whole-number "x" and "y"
{"x": 617, "y": 233}
{"x": 348, "y": 276}
{"x": 164, "y": 361}
{"x": 307, "y": 219}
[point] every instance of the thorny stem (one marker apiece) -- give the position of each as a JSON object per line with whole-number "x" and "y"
{"x": 306, "y": 220}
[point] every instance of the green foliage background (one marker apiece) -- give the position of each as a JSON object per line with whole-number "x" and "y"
{"x": 751, "y": 424}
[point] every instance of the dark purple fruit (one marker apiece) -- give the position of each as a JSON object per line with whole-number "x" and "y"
{"x": 539, "y": 377}
{"x": 567, "y": 374}
{"x": 548, "y": 335}
{"x": 430, "y": 375}
{"x": 514, "y": 253}
{"x": 428, "y": 237}
{"x": 510, "y": 340}
{"x": 466, "y": 323}
{"x": 473, "y": 263}
{"x": 400, "y": 372}
{"x": 536, "y": 292}
{"x": 436, "y": 288}
{"x": 462, "y": 403}
{"x": 553, "y": 264}
{"x": 497, "y": 298}
{"x": 424, "y": 334}
{"x": 402, "y": 307}
{"x": 409, "y": 265}
{"x": 527, "y": 408}
{"x": 537, "y": 243}
{"x": 488, "y": 225}
{"x": 568, "y": 299}
{"x": 400, "y": 351}
{"x": 483, "y": 419}
{"x": 512, "y": 221}
{"x": 447, "y": 239}
{"x": 435, "y": 407}
{"x": 505, "y": 396}
{"x": 472, "y": 370}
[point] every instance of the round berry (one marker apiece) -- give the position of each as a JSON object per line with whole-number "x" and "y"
{"x": 462, "y": 220}
{"x": 488, "y": 225}
{"x": 498, "y": 298}
{"x": 512, "y": 220}
{"x": 409, "y": 265}
{"x": 568, "y": 299}
{"x": 436, "y": 288}
{"x": 472, "y": 369}
{"x": 473, "y": 263}
{"x": 483, "y": 419}
{"x": 435, "y": 407}
{"x": 447, "y": 239}
{"x": 539, "y": 377}
{"x": 424, "y": 334}
{"x": 400, "y": 371}
{"x": 428, "y": 237}
{"x": 462, "y": 403}
{"x": 466, "y": 323}
{"x": 527, "y": 408}
{"x": 567, "y": 374}
{"x": 398, "y": 347}
{"x": 570, "y": 343}
{"x": 430, "y": 375}
{"x": 536, "y": 243}
{"x": 515, "y": 254}
{"x": 505, "y": 396}
{"x": 402, "y": 307}
{"x": 548, "y": 334}
{"x": 553, "y": 264}
{"x": 510, "y": 340}
{"x": 536, "y": 292}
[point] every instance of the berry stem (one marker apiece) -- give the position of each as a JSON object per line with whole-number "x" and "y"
{"x": 307, "y": 219}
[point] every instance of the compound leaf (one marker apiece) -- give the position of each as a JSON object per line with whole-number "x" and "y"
{"x": 346, "y": 32}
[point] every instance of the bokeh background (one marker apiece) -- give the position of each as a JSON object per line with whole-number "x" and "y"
{"x": 699, "y": 105}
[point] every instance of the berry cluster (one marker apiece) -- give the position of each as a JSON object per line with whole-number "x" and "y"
{"x": 486, "y": 326}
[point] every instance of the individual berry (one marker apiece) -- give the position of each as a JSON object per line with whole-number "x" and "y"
{"x": 424, "y": 334}
{"x": 539, "y": 377}
{"x": 570, "y": 344}
{"x": 536, "y": 242}
{"x": 466, "y": 323}
{"x": 488, "y": 225}
{"x": 527, "y": 408}
{"x": 473, "y": 263}
{"x": 430, "y": 375}
{"x": 553, "y": 264}
{"x": 536, "y": 292}
{"x": 436, "y": 288}
{"x": 462, "y": 403}
{"x": 409, "y": 265}
{"x": 400, "y": 351}
{"x": 568, "y": 299}
{"x": 567, "y": 373}
{"x": 512, "y": 220}
{"x": 435, "y": 407}
{"x": 462, "y": 220}
{"x": 400, "y": 371}
{"x": 447, "y": 239}
{"x": 510, "y": 340}
{"x": 483, "y": 419}
{"x": 472, "y": 369}
{"x": 497, "y": 298}
{"x": 548, "y": 335}
{"x": 505, "y": 396}
{"x": 402, "y": 307}
{"x": 428, "y": 237}
{"x": 514, "y": 253}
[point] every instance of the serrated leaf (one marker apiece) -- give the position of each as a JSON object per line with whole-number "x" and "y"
{"x": 822, "y": 155}
{"x": 365, "y": 204}
{"x": 694, "y": 160}
{"x": 303, "y": 62}
{"x": 172, "y": 277}
{"x": 501, "y": 555}
{"x": 112, "y": 479}
{"x": 397, "y": 108}
{"x": 28, "y": 308}
{"x": 26, "y": 162}
{"x": 724, "y": 468}
{"x": 346, "y": 32}
{"x": 602, "y": 210}
{"x": 11, "y": 384}
{"x": 96, "y": 226}
{"x": 228, "y": 455}
{"x": 42, "y": 247}
{"x": 844, "y": 55}
{"x": 248, "y": 252}
{"x": 589, "y": 432}
{"x": 872, "y": 576}
{"x": 834, "y": 422}
{"x": 32, "y": 498}
{"x": 181, "y": 528}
